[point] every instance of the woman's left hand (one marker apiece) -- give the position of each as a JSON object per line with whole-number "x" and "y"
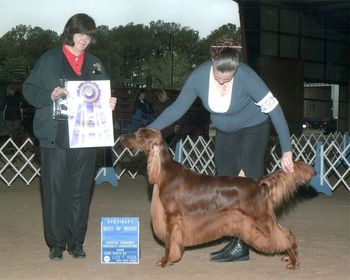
{"x": 113, "y": 102}
{"x": 287, "y": 162}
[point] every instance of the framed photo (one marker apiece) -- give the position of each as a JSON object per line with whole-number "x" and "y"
{"x": 90, "y": 121}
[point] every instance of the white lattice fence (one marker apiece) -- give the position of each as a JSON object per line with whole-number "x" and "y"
{"x": 22, "y": 162}
{"x": 199, "y": 155}
{"x": 18, "y": 162}
{"x": 337, "y": 165}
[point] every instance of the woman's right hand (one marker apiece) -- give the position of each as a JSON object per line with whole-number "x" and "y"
{"x": 287, "y": 162}
{"x": 58, "y": 92}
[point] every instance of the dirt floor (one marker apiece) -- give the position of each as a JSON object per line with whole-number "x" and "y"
{"x": 321, "y": 225}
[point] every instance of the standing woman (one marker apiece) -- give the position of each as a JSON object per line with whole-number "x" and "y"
{"x": 142, "y": 112}
{"x": 12, "y": 111}
{"x": 240, "y": 107}
{"x": 66, "y": 174}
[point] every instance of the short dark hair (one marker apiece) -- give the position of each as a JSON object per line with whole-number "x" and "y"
{"x": 225, "y": 54}
{"x": 79, "y": 23}
{"x": 139, "y": 92}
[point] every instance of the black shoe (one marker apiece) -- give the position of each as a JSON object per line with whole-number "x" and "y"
{"x": 56, "y": 253}
{"x": 238, "y": 252}
{"x": 229, "y": 246}
{"x": 77, "y": 252}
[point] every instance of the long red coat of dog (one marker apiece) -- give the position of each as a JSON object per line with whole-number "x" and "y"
{"x": 189, "y": 209}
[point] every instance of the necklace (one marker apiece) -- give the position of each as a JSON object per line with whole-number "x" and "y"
{"x": 225, "y": 88}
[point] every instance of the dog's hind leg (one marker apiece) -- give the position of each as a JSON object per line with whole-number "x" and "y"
{"x": 173, "y": 243}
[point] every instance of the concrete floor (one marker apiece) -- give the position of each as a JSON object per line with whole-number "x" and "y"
{"x": 321, "y": 226}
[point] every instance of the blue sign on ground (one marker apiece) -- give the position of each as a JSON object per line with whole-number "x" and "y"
{"x": 120, "y": 240}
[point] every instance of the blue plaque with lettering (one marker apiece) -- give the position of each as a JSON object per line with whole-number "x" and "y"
{"x": 120, "y": 240}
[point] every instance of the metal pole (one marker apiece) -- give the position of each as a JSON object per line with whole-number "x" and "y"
{"x": 172, "y": 61}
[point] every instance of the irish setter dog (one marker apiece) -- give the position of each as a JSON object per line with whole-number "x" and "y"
{"x": 188, "y": 208}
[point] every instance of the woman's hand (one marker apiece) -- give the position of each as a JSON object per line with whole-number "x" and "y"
{"x": 113, "y": 102}
{"x": 58, "y": 92}
{"x": 287, "y": 162}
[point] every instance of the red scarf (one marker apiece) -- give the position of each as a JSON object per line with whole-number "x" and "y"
{"x": 76, "y": 62}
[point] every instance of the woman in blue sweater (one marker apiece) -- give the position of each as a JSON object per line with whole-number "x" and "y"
{"x": 241, "y": 107}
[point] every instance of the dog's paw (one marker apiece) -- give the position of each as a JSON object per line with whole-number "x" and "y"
{"x": 285, "y": 258}
{"x": 163, "y": 262}
{"x": 291, "y": 266}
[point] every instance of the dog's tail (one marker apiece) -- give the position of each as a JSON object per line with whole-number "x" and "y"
{"x": 281, "y": 185}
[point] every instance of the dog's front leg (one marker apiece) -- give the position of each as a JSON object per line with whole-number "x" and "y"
{"x": 173, "y": 242}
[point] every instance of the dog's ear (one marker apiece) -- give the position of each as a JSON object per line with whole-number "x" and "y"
{"x": 154, "y": 163}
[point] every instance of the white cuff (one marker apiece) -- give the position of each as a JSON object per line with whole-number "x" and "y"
{"x": 268, "y": 103}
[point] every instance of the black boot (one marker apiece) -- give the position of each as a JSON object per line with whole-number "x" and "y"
{"x": 229, "y": 246}
{"x": 238, "y": 252}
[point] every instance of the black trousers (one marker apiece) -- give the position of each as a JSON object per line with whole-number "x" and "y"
{"x": 67, "y": 177}
{"x": 244, "y": 149}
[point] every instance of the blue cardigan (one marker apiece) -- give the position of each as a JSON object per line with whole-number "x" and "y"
{"x": 248, "y": 89}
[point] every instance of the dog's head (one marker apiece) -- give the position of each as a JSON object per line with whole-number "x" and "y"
{"x": 143, "y": 139}
{"x": 150, "y": 141}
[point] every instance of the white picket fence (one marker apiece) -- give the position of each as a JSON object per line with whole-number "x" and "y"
{"x": 330, "y": 154}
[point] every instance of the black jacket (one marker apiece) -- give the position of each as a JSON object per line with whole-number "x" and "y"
{"x": 13, "y": 107}
{"x": 45, "y": 76}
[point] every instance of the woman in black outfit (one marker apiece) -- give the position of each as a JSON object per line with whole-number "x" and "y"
{"x": 12, "y": 111}
{"x": 66, "y": 174}
{"x": 142, "y": 112}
